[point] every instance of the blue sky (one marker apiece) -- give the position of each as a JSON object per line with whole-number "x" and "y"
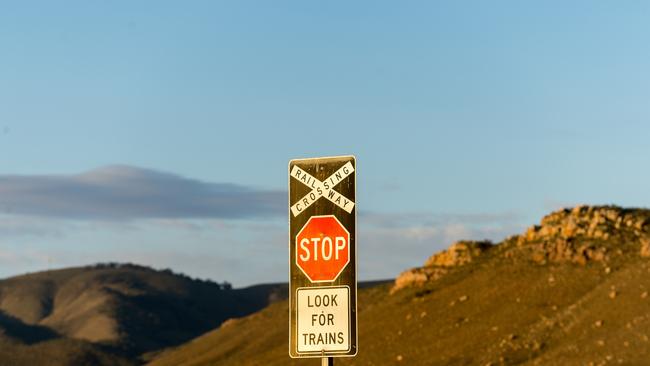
{"x": 468, "y": 120}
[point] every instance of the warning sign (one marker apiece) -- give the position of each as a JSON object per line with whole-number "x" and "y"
{"x": 323, "y": 319}
{"x": 322, "y": 189}
{"x": 322, "y": 257}
{"x": 323, "y": 248}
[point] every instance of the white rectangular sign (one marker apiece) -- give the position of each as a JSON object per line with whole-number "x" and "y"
{"x": 323, "y": 319}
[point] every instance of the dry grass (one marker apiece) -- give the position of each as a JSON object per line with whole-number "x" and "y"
{"x": 501, "y": 309}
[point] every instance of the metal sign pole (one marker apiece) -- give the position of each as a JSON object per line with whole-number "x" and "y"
{"x": 327, "y": 361}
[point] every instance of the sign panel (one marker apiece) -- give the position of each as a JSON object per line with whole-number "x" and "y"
{"x": 323, "y": 248}
{"x": 322, "y": 257}
{"x": 324, "y": 319}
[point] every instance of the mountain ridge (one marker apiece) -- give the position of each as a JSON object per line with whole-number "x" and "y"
{"x": 119, "y": 309}
{"x": 572, "y": 290}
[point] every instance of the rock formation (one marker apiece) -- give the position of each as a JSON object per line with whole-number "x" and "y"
{"x": 439, "y": 264}
{"x": 585, "y": 233}
{"x": 578, "y": 235}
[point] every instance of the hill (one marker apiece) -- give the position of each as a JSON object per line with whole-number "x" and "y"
{"x": 112, "y": 313}
{"x": 570, "y": 291}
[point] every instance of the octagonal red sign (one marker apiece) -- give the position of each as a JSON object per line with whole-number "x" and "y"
{"x": 322, "y": 248}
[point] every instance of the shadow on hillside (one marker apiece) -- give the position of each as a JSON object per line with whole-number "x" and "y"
{"x": 29, "y": 334}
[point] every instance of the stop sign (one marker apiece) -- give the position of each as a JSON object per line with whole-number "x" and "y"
{"x": 322, "y": 248}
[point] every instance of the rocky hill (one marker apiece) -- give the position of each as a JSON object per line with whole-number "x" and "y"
{"x": 572, "y": 290}
{"x": 579, "y": 235}
{"x": 113, "y": 313}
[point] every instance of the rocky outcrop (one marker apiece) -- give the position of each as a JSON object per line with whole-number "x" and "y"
{"x": 576, "y": 235}
{"x": 439, "y": 264}
{"x": 418, "y": 276}
{"x": 583, "y": 234}
{"x": 459, "y": 253}
{"x": 596, "y": 222}
{"x": 645, "y": 247}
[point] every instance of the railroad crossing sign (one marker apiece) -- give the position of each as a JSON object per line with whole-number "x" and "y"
{"x": 322, "y": 189}
{"x": 322, "y": 257}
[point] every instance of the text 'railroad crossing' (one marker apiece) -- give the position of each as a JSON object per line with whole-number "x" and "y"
{"x": 322, "y": 189}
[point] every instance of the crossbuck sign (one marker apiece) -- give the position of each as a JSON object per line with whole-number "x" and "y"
{"x": 322, "y": 189}
{"x": 322, "y": 257}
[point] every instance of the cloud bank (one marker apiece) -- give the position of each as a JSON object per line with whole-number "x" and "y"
{"x": 124, "y": 213}
{"x": 124, "y": 192}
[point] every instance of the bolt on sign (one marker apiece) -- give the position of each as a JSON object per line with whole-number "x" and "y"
{"x": 322, "y": 257}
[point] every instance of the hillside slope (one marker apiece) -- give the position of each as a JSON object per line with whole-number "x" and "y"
{"x": 59, "y": 352}
{"x": 570, "y": 291}
{"x": 124, "y": 310}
